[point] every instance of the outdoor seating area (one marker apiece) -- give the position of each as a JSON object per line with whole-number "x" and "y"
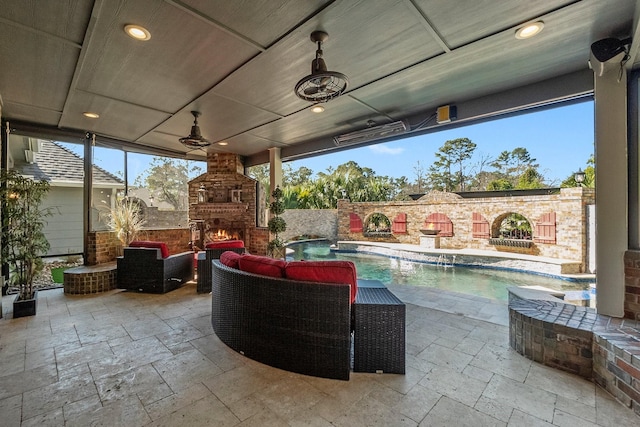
{"x": 212, "y": 251}
{"x": 299, "y": 316}
{"x": 175, "y": 150}
{"x": 154, "y": 358}
{"x": 147, "y": 266}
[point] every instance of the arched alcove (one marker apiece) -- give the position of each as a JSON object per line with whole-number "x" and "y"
{"x": 512, "y": 225}
{"x": 376, "y": 224}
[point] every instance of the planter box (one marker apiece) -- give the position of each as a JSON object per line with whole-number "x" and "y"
{"x": 57, "y": 274}
{"x": 514, "y": 243}
{"x": 27, "y": 307}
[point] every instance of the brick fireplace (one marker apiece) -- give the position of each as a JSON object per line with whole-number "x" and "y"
{"x": 223, "y": 204}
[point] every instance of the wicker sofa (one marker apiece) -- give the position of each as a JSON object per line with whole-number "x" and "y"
{"x": 148, "y": 267}
{"x": 295, "y": 325}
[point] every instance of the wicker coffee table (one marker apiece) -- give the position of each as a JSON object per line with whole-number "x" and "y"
{"x": 379, "y": 335}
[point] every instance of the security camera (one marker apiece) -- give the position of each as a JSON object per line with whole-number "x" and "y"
{"x": 607, "y": 54}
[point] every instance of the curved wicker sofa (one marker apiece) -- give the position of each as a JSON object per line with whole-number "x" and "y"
{"x": 293, "y": 325}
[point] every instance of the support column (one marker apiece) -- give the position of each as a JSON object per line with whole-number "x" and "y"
{"x": 610, "y": 91}
{"x": 275, "y": 169}
{"x": 89, "y": 143}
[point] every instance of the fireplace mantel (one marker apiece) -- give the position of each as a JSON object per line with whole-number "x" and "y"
{"x": 230, "y": 207}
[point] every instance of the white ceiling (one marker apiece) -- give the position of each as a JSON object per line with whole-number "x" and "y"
{"x": 237, "y": 62}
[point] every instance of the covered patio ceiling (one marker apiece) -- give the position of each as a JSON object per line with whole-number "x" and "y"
{"x": 237, "y": 62}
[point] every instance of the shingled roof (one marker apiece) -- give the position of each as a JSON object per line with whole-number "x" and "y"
{"x": 56, "y": 163}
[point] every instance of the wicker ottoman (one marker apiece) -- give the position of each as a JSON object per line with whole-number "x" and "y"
{"x": 379, "y": 335}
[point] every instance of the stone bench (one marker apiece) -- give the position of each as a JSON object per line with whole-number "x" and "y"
{"x": 576, "y": 339}
{"x": 90, "y": 279}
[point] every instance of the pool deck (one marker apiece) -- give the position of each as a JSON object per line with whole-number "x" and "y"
{"x": 130, "y": 359}
{"x": 510, "y": 261}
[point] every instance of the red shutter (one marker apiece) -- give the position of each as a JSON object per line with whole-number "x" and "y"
{"x": 399, "y": 225}
{"x": 439, "y": 221}
{"x": 355, "y": 223}
{"x": 480, "y": 227}
{"x": 546, "y": 229}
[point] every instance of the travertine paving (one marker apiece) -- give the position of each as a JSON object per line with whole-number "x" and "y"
{"x": 127, "y": 359}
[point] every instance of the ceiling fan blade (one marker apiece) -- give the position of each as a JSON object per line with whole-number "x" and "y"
{"x": 320, "y": 81}
{"x": 312, "y": 90}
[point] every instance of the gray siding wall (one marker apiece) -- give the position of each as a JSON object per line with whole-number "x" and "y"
{"x": 64, "y": 228}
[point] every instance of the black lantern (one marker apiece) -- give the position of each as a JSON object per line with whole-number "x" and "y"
{"x": 579, "y": 177}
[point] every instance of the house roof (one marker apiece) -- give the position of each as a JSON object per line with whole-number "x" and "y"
{"x": 57, "y": 164}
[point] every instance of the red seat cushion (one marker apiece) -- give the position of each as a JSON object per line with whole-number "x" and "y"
{"x": 230, "y": 259}
{"x": 225, "y": 244}
{"x": 164, "y": 250}
{"x": 262, "y": 265}
{"x": 324, "y": 271}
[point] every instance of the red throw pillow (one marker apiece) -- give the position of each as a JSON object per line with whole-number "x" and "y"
{"x": 225, "y": 244}
{"x": 164, "y": 250}
{"x": 262, "y": 265}
{"x": 230, "y": 259}
{"x": 324, "y": 271}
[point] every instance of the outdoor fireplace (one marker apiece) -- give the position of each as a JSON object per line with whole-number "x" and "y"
{"x": 222, "y": 202}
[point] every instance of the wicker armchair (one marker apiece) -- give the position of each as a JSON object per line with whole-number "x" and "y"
{"x": 204, "y": 266}
{"x": 144, "y": 270}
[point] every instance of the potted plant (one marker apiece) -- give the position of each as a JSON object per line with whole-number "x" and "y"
{"x": 23, "y": 241}
{"x": 276, "y": 225}
{"x": 126, "y": 220}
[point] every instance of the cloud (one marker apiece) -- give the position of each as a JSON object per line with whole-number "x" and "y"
{"x": 383, "y": 149}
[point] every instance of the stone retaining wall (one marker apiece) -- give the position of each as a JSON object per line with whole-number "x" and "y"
{"x": 319, "y": 222}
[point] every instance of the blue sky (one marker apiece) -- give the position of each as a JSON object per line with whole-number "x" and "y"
{"x": 560, "y": 139}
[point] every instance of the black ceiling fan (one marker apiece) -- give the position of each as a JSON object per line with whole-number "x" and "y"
{"x": 195, "y": 138}
{"x": 321, "y": 85}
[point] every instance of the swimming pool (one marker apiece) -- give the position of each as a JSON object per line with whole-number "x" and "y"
{"x": 483, "y": 282}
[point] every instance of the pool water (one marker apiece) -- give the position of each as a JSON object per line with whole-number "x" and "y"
{"x": 488, "y": 283}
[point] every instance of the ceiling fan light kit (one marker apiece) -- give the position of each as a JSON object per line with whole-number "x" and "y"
{"x": 195, "y": 138}
{"x": 321, "y": 85}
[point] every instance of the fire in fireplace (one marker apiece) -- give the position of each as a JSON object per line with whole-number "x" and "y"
{"x": 220, "y": 234}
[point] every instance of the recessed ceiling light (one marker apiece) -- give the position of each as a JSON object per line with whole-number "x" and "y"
{"x": 529, "y": 30}
{"x": 137, "y": 32}
{"x": 223, "y": 143}
{"x": 317, "y": 108}
{"x": 91, "y": 115}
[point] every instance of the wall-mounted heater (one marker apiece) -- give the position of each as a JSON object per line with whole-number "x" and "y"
{"x": 372, "y": 133}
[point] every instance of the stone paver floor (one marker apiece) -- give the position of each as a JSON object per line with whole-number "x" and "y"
{"x": 127, "y": 359}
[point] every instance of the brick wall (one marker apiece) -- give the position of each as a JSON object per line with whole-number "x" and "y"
{"x": 632, "y": 284}
{"x": 104, "y": 246}
{"x": 580, "y": 341}
{"x": 569, "y": 206}
{"x": 616, "y": 368}
{"x": 259, "y": 240}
